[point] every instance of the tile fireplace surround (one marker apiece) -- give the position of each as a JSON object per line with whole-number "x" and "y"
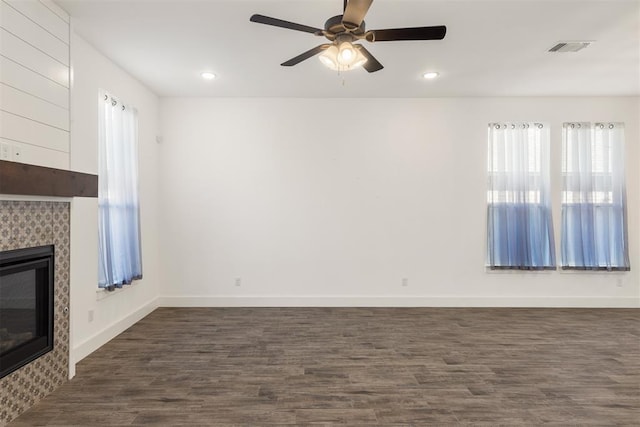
{"x": 25, "y": 224}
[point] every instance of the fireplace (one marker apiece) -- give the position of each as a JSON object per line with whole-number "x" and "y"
{"x": 26, "y": 306}
{"x": 28, "y": 226}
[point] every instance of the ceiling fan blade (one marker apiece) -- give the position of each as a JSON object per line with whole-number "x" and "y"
{"x": 372, "y": 65}
{"x": 261, "y": 19}
{"x": 306, "y": 55}
{"x": 354, "y": 13}
{"x": 416, "y": 33}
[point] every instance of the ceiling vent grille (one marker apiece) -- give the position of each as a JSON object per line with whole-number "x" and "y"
{"x": 562, "y": 47}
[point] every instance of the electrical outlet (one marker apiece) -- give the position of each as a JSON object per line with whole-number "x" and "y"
{"x": 90, "y": 315}
{"x": 238, "y": 281}
{"x": 619, "y": 282}
{"x": 5, "y": 151}
{"x": 405, "y": 282}
{"x": 16, "y": 153}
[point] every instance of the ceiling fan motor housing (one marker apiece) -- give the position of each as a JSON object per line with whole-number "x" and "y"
{"x": 334, "y": 27}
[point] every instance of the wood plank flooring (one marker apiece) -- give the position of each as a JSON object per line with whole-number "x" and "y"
{"x": 358, "y": 366}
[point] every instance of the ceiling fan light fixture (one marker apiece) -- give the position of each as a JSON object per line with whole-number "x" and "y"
{"x": 360, "y": 61}
{"x": 329, "y": 58}
{"x": 344, "y": 57}
{"x": 346, "y": 53}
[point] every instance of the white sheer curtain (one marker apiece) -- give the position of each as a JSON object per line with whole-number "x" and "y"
{"x": 120, "y": 259}
{"x": 519, "y": 226}
{"x": 594, "y": 232}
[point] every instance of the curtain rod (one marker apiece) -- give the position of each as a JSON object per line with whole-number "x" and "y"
{"x": 513, "y": 125}
{"x": 597, "y": 124}
{"x": 114, "y": 101}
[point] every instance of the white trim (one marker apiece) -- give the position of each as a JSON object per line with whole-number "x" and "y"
{"x": 23, "y": 198}
{"x": 96, "y": 341}
{"x": 395, "y": 301}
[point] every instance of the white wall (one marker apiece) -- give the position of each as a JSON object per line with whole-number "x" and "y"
{"x": 112, "y": 312}
{"x": 335, "y": 201}
{"x": 34, "y": 83}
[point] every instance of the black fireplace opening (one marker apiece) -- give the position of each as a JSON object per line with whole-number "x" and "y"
{"x": 26, "y": 306}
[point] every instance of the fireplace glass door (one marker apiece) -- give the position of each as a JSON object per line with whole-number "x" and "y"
{"x": 26, "y": 306}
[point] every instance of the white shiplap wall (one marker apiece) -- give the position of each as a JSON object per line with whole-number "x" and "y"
{"x": 34, "y": 83}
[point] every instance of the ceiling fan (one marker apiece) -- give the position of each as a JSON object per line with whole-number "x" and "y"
{"x": 343, "y": 30}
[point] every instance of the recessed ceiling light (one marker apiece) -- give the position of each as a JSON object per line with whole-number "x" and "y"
{"x": 430, "y": 75}
{"x": 208, "y": 76}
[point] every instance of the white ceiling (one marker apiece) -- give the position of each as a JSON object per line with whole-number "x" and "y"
{"x": 492, "y": 48}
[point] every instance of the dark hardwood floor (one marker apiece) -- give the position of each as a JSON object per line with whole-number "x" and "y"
{"x": 364, "y": 366}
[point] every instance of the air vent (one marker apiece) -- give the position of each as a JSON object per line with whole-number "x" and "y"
{"x": 562, "y": 47}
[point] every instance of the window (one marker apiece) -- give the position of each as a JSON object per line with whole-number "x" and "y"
{"x": 519, "y": 226}
{"x": 594, "y": 232}
{"x": 119, "y": 224}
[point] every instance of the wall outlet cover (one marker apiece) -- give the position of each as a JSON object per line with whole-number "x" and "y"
{"x": 5, "y": 151}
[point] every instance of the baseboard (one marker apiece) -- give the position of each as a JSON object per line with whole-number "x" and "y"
{"x": 395, "y": 301}
{"x": 94, "y": 342}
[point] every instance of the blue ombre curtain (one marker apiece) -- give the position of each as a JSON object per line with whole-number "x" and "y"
{"x": 594, "y": 229}
{"x": 519, "y": 225}
{"x": 120, "y": 260}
